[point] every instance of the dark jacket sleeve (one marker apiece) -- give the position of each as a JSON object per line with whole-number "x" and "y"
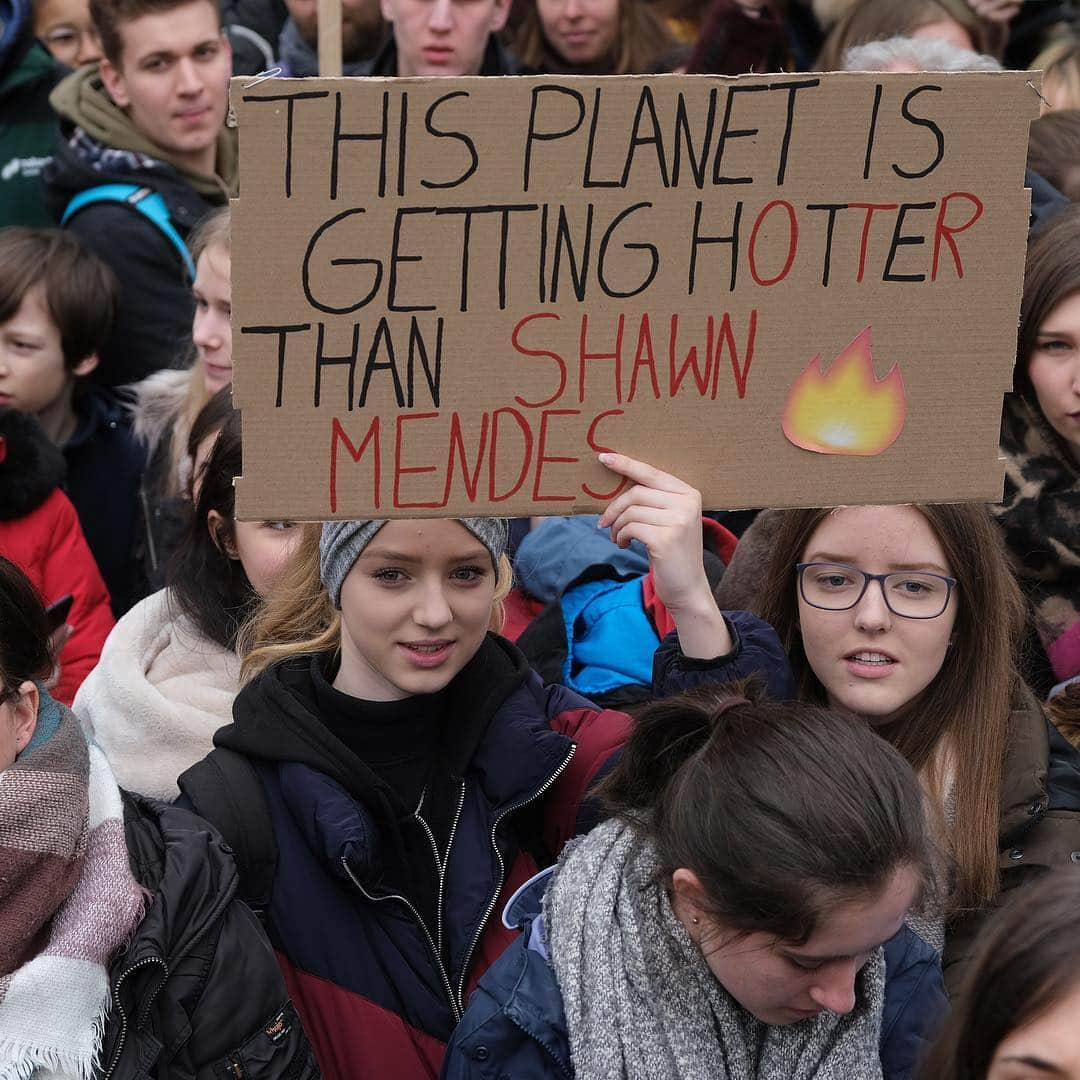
{"x": 756, "y": 651}
{"x": 915, "y": 1004}
{"x": 153, "y": 319}
{"x": 243, "y": 1023}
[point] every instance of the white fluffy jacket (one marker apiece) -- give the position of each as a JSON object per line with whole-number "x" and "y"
{"x": 157, "y": 696}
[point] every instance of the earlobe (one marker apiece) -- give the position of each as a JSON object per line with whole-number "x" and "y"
{"x": 26, "y": 711}
{"x": 114, "y": 84}
{"x": 219, "y": 534}
{"x": 85, "y": 365}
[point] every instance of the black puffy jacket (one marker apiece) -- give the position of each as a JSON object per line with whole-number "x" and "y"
{"x": 198, "y": 993}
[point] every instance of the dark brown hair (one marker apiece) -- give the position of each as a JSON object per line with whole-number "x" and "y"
{"x": 876, "y": 20}
{"x": 206, "y": 585}
{"x": 966, "y": 708}
{"x": 643, "y": 40}
{"x": 109, "y": 15}
{"x": 24, "y": 631}
{"x": 81, "y": 292}
{"x": 781, "y": 810}
{"x": 1027, "y": 960}
{"x": 1051, "y": 274}
{"x": 1054, "y": 150}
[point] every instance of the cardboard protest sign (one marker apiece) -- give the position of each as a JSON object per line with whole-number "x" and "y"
{"x": 450, "y": 294}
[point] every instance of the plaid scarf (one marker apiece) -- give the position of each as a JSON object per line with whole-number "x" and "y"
{"x": 68, "y": 900}
{"x": 1040, "y": 514}
{"x": 108, "y": 159}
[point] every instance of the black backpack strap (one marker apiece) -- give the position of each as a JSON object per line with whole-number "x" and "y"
{"x": 225, "y": 789}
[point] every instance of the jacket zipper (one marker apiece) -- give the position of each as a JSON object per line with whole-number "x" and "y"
{"x": 208, "y": 924}
{"x": 502, "y": 869}
{"x": 420, "y": 922}
{"x": 440, "y": 865}
{"x": 120, "y": 1008}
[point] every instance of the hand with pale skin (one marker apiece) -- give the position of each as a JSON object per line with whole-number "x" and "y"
{"x": 664, "y": 514}
{"x": 1001, "y": 11}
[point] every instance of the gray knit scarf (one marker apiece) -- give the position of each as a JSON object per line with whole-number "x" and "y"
{"x": 640, "y": 999}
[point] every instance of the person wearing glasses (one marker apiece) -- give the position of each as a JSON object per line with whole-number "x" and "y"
{"x": 910, "y": 617}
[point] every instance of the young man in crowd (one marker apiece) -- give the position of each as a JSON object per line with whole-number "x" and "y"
{"x": 150, "y": 116}
{"x": 444, "y": 37}
{"x": 56, "y": 309}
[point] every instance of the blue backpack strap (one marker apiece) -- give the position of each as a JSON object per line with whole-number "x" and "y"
{"x": 143, "y": 199}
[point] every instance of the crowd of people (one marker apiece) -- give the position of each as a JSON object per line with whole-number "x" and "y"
{"x": 658, "y": 793}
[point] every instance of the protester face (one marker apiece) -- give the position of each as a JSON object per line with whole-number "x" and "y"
{"x": 32, "y": 372}
{"x": 18, "y": 719}
{"x": 1047, "y": 1047}
{"x": 781, "y": 982}
{"x": 415, "y": 608}
{"x": 1054, "y": 369}
{"x": 360, "y": 19}
{"x": 580, "y": 31}
{"x": 945, "y": 30}
{"x": 264, "y": 549}
{"x": 870, "y": 660}
{"x": 65, "y": 28}
{"x": 443, "y": 37}
{"x": 173, "y": 80}
{"x": 212, "y": 328}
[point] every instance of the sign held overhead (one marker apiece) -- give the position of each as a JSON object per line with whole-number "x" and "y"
{"x": 450, "y": 294}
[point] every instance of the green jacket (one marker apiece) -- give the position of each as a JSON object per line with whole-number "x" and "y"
{"x": 27, "y": 134}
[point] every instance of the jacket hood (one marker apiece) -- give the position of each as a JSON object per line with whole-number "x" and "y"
{"x": 275, "y": 716}
{"x": 82, "y": 101}
{"x": 31, "y": 467}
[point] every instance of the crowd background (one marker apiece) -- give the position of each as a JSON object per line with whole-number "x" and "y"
{"x": 659, "y": 792}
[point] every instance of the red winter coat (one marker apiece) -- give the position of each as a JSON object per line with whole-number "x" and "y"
{"x": 49, "y": 546}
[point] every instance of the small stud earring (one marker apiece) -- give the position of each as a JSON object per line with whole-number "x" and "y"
{"x": 694, "y": 919}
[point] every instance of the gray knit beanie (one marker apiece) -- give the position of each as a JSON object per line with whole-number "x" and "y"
{"x": 342, "y": 543}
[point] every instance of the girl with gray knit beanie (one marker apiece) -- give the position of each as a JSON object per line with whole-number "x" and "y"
{"x": 416, "y": 771}
{"x": 740, "y": 915}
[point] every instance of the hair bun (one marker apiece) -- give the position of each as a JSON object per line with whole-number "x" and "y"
{"x": 732, "y": 702}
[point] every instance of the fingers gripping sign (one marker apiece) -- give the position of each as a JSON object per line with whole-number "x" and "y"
{"x": 664, "y": 514}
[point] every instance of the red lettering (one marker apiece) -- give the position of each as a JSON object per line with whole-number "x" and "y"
{"x": 495, "y": 457}
{"x": 539, "y": 352}
{"x": 793, "y": 242}
{"x": 590, "y": 438}
{"x": 542, "y": 458}
{"x": 401, "y": 470}
{"x": 643, "y": 357}
{"x": 691, "y": 361}
{"x": 726, "y": 338}
{"x": 870, "y": 209}
{"x": 584, "y": 356}
{"x": 457, "y": 443}
{"x": 337, "y": 434}
{"x": 948, "y": 231}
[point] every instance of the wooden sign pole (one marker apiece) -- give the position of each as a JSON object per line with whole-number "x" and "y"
{"x": 329, "y": 37}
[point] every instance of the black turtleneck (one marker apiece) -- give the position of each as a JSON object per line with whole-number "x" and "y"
{"x": 398, "y": 740}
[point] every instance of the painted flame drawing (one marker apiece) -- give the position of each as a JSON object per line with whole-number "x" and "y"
{"x": 846, "y": 410}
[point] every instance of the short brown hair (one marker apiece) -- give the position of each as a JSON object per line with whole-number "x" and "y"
{"x": 109, "y": 15}
{"x": 81, "y": 292}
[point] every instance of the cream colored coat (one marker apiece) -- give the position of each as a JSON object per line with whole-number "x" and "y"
{"x": 157, "y": 696}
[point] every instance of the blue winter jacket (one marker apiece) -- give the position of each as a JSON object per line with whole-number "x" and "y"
{"x": 515, "y": 1026}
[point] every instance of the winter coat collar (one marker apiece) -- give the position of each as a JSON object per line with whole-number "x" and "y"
{"x": 498, "y": 735}
{"x": 31, "y": 467}
{"x": 82, "y": 101}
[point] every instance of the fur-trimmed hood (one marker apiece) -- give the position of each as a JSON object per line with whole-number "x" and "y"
{"x": 158, "y": 402}
{"x": 31, "y": 467}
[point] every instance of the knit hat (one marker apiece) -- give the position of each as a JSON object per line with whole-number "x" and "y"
{"x": 342, "y": 543}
